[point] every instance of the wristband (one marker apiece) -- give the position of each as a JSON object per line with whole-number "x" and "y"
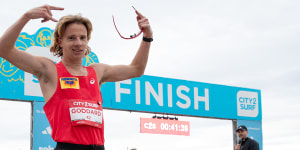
{"x": 147, "y": 39}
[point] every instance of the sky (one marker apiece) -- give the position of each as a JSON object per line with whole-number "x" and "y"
{"x": 252, "y": 44}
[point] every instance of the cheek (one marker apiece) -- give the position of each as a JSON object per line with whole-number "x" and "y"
{"x": 66, "y": 44}
{"x": 86, "y": 43}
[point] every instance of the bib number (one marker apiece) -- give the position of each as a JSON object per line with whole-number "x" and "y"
{"x": 85, "y": 112}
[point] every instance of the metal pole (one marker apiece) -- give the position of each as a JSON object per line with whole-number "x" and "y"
{"x": 234, "y": 127}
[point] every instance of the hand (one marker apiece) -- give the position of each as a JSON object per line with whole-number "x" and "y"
{"x": 237, "y": 147}
{"x": 42, "y": 12}
{"x": 144, "y": 25}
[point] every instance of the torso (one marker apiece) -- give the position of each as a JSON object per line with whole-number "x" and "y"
{"x": 72, "y": 90}
{"x": 48, "y": 81}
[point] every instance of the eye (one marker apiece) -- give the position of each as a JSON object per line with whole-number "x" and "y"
{"x": 71, "y": 37}
{"x": 83, "y": 37}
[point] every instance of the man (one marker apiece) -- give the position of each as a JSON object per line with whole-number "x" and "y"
{"x": 245, "y": 143}
{"x": 71, "y": 91}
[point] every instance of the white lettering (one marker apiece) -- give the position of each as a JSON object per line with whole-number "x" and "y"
{"x": 137, "y": 92}
{"x": 146, "y": 125}
{"x": 120, "y": 90}
{"x": 75, "y": 103}
{"x": 79, "y": 110}
{"x": 150, "y": 125}
{"x": 46, "y": 148}
{"x": 204, "y": 99}
{"x": 170, "y": 98}
{"x": 247, "y": 103}
{"x": 184, "y": 97}
{"x": 158, "y": 97}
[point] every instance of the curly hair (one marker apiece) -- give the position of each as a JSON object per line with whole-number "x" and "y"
{"x": 61, "y": 28}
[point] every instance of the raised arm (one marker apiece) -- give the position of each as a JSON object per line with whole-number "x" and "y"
{"x": 137, "y": 67}
{"x": 21, "y": 59}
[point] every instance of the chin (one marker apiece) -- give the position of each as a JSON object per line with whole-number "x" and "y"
{"x": 81, "y": 54}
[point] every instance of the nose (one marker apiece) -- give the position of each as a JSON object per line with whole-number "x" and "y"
{"x": 78, "y": 41}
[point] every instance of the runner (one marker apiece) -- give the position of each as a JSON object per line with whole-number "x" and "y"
{"x": 71, "y": 91}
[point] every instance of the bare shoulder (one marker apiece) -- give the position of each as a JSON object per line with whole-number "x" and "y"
{"x": 99, "y": 67}
{"x": 36, "y": 65}
{"x": 50, "y": 64}
{"x": 47, "y": 77}
{"x": 48, "y": 69}
{"x": 47, "y": 61}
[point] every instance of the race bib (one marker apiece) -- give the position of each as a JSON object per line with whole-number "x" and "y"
{"x": 86, "y": 112}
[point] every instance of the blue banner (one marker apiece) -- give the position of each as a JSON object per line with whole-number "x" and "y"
{"x": 254, "y": 130}
{"x": 173, "y": 96}
{"x": 41, "y": 129}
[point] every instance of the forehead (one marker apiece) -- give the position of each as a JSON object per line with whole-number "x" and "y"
{"x": 241, "y": 131}
{"x": 76, "y": 29}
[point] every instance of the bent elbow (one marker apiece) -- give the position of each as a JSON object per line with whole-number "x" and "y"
{"x": 1, "y": 49}
{"x": 4, "y": 50}
{"x": 139, "y": 72}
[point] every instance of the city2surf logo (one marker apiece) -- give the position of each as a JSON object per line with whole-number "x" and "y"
{"x": 247, "y": 104}
{"x": 69, "y": 83}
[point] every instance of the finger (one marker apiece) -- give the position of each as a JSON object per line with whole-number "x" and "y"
{"x": 48, "y": 17}
{"x": 44, "y": 20}
{"x": 143, "y": 21}
{"x": 48, "y": 10}
{"x": 138, "y": 18}
{"x": 138, "y": 13}
{"x": 55, "y": 8}
{"x": 53, "y": 19}
{"x": 144, "y": 26}
{"x": 141, "y": 18}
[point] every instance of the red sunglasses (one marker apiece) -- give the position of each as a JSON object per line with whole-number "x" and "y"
{"x": 131, "y": 36}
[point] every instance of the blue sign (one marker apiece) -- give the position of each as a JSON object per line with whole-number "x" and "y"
{"x": 254, "y": 130}
{"x": 172, "y": 96}
{"x": 42, "y": 139}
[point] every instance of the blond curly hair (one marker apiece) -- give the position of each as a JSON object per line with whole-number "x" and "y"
{"x": 61, "y": 28}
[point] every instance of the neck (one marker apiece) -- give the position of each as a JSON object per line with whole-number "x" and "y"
{"x": 75, "y": 68}
{"x": 72, "y": 64}
{"x": 244, "y": 138}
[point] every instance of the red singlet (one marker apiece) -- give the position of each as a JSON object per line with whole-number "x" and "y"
{"x": 75, "y": 109}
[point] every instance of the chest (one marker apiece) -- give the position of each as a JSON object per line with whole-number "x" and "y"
{"x": 78, "y": 72}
